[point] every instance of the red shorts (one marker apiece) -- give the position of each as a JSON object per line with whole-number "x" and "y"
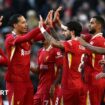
{"x": 42, "y": 99}
{"x": 75, "y": 96}
{"x": 1, "y": 101}
{"x": 96, "y": 90}
{"x": 20, "y": 93}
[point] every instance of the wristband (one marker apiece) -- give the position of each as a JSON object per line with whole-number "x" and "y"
{"x": 42, "y": 30}
{"x": 64, "y": 27}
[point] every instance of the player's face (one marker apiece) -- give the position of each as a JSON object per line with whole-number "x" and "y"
{"x": 22, "y": 26}
{"x": 92, "y": 26}
{"x": 66, "y": 33}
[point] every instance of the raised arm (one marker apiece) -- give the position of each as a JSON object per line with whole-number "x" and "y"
{"x": 52, "y": 20}
{"x": 48, "y": 37}
{"x": 99, "y": 50}
{"x": 27, "y": 37}
{"x": 54, "y": 34}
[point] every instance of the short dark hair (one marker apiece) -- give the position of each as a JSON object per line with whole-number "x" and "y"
{"x": 75, "y": 26}
{"x": 100, "y": 20}
{"x": 14, "y": 19}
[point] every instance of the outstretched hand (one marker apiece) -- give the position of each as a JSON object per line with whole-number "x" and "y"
{"x": 57, "y": 15}
{"x": 41, "y": 21}
{"x": 50, "y": 21}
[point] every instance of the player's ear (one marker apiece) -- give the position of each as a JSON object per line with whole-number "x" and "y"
{"x": 14, "y": 25}
{"x": 72, "y": 32}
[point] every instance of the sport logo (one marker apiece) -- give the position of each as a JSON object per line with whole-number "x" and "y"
{"x": 23, "y": 52}
{"x": 3, "y": 92}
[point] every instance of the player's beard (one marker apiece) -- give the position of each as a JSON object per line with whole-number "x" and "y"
{"x": 93, "y": 31}
{"x": 68, "y": 37}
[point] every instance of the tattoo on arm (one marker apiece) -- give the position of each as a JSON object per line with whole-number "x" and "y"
{"x": 54, "y": 33}
{"x": 53, "y": 41}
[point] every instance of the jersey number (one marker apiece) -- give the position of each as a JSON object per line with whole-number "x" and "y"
{"x": 81, "y": 63}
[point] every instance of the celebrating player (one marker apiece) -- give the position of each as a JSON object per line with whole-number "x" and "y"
{"x": 72, "y": 84}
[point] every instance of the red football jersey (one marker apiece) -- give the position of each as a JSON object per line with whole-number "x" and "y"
{"x": 87, "y": 37}
{"x": 73, "y": 60}
{"x": 19, "y": 60}
{"x": 49, "y": 61}
{"x": 3, "y": 59}
{"x": 99, "y": 41}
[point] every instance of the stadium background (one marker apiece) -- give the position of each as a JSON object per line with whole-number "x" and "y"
{"x": 81, "y": 10}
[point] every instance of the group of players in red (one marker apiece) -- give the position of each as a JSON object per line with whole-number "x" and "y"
{"x": 70, "y": 71}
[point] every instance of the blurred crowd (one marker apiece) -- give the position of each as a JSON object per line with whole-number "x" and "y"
{"x": 80, "y": 10}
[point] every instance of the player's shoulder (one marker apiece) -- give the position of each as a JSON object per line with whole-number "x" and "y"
{"x": 86, "y": 36}
{"x": 98, "y": 38}
{"x": 9, "y": 37}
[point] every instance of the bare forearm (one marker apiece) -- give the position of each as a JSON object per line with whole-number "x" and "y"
{"x": 99, "y": 50}
{"x": 59, "y": 77}
{"x": 54, "y": 33}
{"x": 50, "y": 39}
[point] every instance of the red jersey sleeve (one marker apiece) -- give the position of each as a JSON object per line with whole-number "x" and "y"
{"x": 34, "y": 35}
{"x": 87, "y": 37}
{"x": 28, "y": 36}
{"x": 68, "y": 46}
{"x": 40, "y": 35}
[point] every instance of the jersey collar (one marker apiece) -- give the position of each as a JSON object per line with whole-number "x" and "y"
{"x": 96, "y": 35}
{"x": 13, "y": 33}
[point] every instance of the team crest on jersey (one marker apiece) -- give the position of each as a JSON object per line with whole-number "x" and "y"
{"x": 23, "y": 52}
{"x": 81, "y": 47}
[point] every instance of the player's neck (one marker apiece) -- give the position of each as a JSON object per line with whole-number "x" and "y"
{"x": 97, "y": 32}
{"x": 46, "y": 46}
{"x": 16, "y": 32}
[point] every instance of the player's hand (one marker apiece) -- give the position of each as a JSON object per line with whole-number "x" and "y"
{"x": 50, "y": 21}
{"x": 100, "y": 75}
{"x": 1, "y": 18}
{"x": 57, "y": 16}
{"x": 41, "y": 21}
{"x": 52, "y": 90}
{"x": 82, "y": 41}
{"x": 47, "y": 18}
